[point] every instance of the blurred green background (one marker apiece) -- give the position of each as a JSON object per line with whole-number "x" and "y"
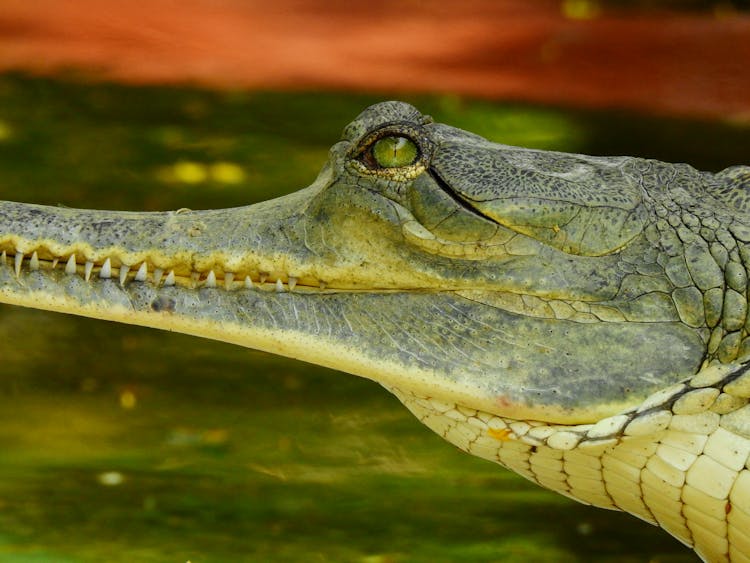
{"x": 126, "y": 444}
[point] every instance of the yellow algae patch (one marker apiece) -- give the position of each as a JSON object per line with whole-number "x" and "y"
{"x": 5, "y": 131}
{"x": 128, "y": 399}
{"x": 226, "y": 173}
{"x": 190, "y": 172}
{"x": 580, "y": 9}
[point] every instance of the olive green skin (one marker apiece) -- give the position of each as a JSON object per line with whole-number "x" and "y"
{"x": 530, "y": 284}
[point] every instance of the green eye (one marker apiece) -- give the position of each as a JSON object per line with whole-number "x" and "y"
{"x": 395, "y": 152}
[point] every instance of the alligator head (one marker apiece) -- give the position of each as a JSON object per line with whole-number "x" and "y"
{"x": 426, "y": 258}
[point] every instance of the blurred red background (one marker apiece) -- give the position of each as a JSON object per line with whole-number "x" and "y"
{"x": 572, "y": 52}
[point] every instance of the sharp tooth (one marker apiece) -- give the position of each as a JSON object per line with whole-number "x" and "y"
{"x": 4, "y": 257}
{"x": 34, "y": 262}
{"x": 211, "y": 279}
{"x": 141, "y": 274}
{"x": 124, "y": 273}
{"x": 279, "y": 285}
{"x": 70, "y": 265}
{"x": 263, "y": 277}
{"x": 18, "y": 263}
{"x": 157, "y": 275}
{"x": 292, "y": 283}
{"x": 54, "y": 262}
{"x": 321, "y": 284}
{"x": 248, "y": 282}
{"x": 106, "y": 272}
{"x": 169, "y": 280}
{"x": 195, "y": 276}
{"x": 87, "y": 270}
{"x": 228, "y": 279}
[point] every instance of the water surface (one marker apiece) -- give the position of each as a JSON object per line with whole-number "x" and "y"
{"x": 124, "y": 444}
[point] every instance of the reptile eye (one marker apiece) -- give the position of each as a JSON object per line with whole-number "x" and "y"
{"x": 394, "y": 152}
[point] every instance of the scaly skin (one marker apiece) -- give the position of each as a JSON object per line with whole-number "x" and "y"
{"x": 580, "y": 320}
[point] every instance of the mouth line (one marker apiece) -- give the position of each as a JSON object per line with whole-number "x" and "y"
{"x": 94, "y": 265}
{"x": 90, "y": 271}
{"x": 181, "y": 275}
{"x": 146, "y": 271}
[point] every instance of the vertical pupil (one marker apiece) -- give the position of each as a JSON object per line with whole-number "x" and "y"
{"x": 394, "y": 151}
{"x": 398, "y": 144}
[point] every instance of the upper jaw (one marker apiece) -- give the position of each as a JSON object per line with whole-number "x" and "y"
{"x": 337, "y": 234}
{"x": 252, "y": 244}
